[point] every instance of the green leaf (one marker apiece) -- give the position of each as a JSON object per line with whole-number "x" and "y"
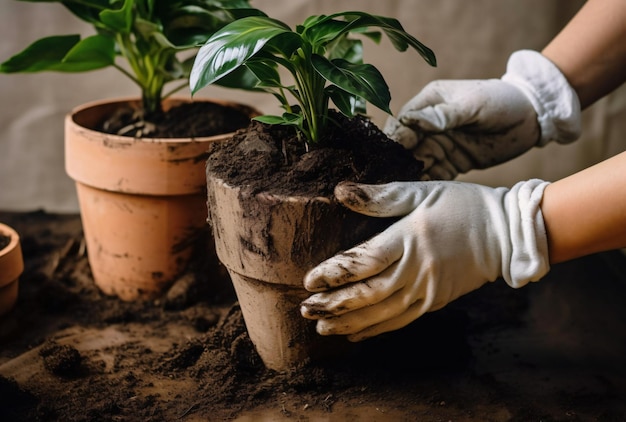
{"x": 231, "y": 46}
{"x": 362, "y": 80}
{"x": 359, "y": 21}
{"x": 88, "y": 11}
{"x": 265, "y": 72}
{"x": 120, "y": 20}
{"x": 324, "y": 29}
{"x": 270, "y": 119}
{"x": 375, "y": 36}
{"x": 311, "y": 21}
{"x": 194, "y": 19}
{"x": 150, "y": 31}
{"x": 347, "y": 49}
{"x": 292, "y": 118}
{"x": 289, "y": 119}
{"x": 348, "y": 104}
{"x": 41, "y": 1}
{"x": 93, "y": 52}
{"x": 193, "y": 24}
{"x": 228, "y": 4}
{"x": 241, "y": 78}
{"x": 49, "y": 54}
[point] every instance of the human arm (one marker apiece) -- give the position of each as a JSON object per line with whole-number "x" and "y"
{"x": 591, "y": 49}
{"x": 585, "y": 213}
{"x": 453, "y": 238}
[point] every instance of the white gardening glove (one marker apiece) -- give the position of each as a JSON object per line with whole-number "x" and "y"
{"x": 453, "y": 238}
{"x": 454, "y": 126}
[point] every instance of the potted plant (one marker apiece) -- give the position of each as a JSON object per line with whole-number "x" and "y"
{"x": 11, "y": 267}
{"x": 138, "y": 162}
{"x": 268, "y": 232}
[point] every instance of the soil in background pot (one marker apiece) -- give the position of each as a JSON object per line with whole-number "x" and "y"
{"x": 186, "y": 120}
{"x": 4, "y": 241}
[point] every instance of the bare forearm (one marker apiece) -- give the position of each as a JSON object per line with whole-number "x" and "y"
{"x": 591, "y": 49}
{"x": 586, "y": 213}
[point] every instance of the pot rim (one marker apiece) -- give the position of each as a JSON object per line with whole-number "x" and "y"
{"x": 11, "y": 260}
{"x": 168, "y": 103}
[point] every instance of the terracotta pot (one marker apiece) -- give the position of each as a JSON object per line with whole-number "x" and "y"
{"x": 142, "y": 201}
{"x": 268, "y": 243}
{"x": 11, "y": 267}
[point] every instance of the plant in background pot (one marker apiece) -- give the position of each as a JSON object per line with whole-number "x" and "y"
{"x": 138, "y": 163}
{"x": 11, "y": 267}
{"x": 270, "y": 187}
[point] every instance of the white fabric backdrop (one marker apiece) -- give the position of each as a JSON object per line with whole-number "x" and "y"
{"x": 471, "y": 40}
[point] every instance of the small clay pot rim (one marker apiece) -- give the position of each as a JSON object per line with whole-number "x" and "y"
{"x": 11, "y": 261}
{"x": 167, "y": 104}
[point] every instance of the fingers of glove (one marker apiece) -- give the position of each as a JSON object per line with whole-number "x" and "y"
{"x": 361, "y": 262}
{"x": 403, "y": 135}
{"x": 467, "y": 150}
{"x": 351, "y": 297}
{"x": 391, "y": 125}
{"x": 443, "y": 156}
{"x": 431, "y": 119}
{"x": 411, "y": 314}
{"x": 386, "y": 200}
{"x": 379, "y": 313}
{"x": 442, "y": 171}
{"x": 432, "y": 150}
{"x": 429, "y": 151}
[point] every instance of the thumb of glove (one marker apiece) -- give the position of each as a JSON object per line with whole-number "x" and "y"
{"x": 388, "y": 200}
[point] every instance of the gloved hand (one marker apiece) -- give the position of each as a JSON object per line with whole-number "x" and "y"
{"x": 454, "y": 237}
{"x": 458, "y": 125}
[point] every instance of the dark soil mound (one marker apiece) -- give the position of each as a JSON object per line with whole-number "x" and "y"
{"x": 275, "y": 158}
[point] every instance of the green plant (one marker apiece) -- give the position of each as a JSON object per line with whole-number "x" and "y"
{"x": 148, "y": 34}
{"x": 324, "y": 62}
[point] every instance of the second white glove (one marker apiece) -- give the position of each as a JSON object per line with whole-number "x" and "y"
{"x": 458, "y": 125}
{"x": 453, "y": 238}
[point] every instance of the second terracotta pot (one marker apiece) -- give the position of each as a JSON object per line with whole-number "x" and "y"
{"x": 11, "y": 267}
{"x": 142, "y": 201}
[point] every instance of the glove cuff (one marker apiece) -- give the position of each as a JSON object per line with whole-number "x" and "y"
{"x": 555, "y": 101}
{"x": 528, "y": 259}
